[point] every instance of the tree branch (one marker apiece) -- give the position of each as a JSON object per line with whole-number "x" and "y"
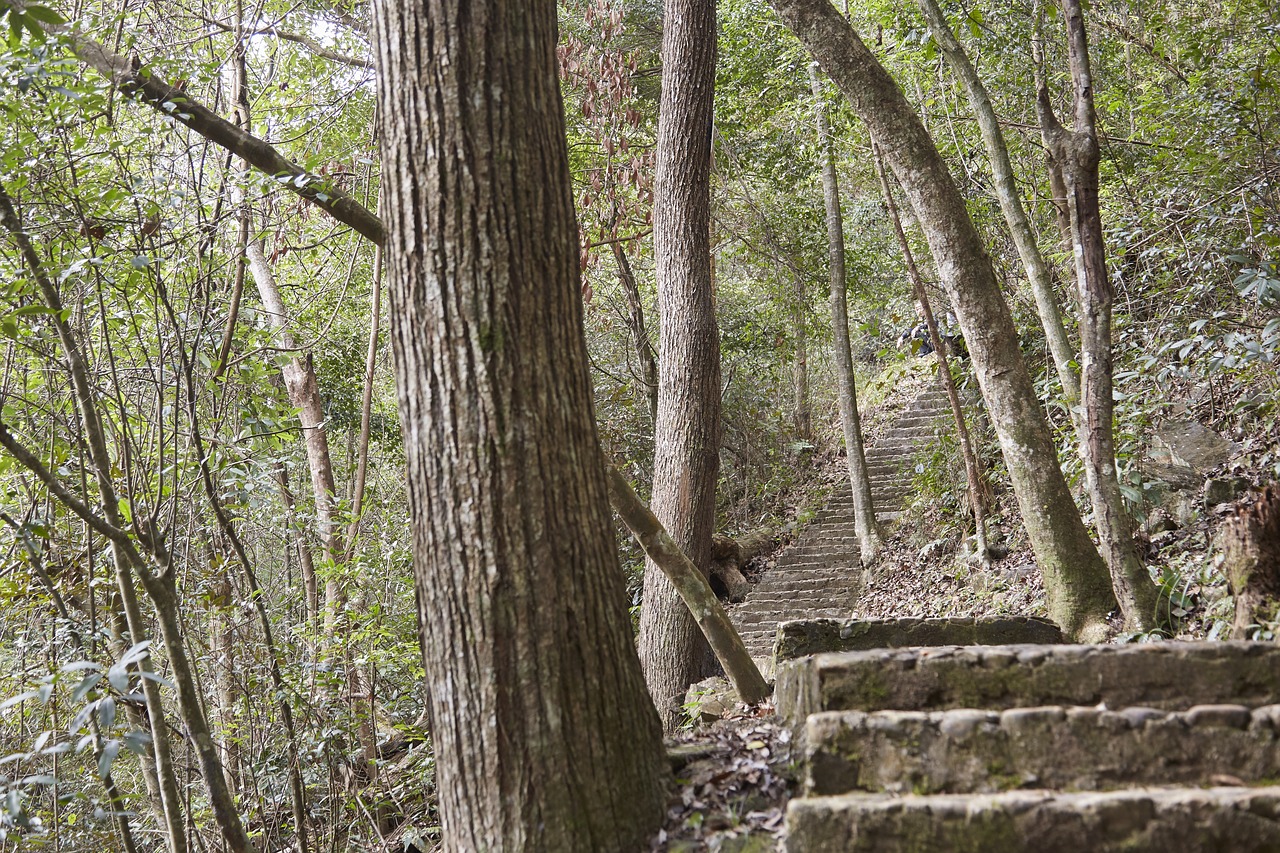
{"x": 692, "y": 586}
{"x": 32, "y": 463}
{"x": 132, "y": 78}
{"x": 306, "y": 41}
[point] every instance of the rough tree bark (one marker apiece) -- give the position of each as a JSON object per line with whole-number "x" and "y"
{"x": 870, "y": 541}
{"x": 687, "y": 434}
{"x": 972, "y": 472}
{"x": 1076, "y": 580}
{"x": 1250, "y": 542}
{"x": 1078, "y": 154}
{"x": 545, "y": 738}
{"x": 692, "y": 586}
{"x": 1006, "y": 186}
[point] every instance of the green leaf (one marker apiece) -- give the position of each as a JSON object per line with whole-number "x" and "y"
{"x": 45, "y": 15}
{"x": 136, "y": 652}
{"x": 109, "y": 751}
{"x": 82, "y": 689}
{"x": 16, "y": 700}
{"x": 106, "y": 712}
{"x": 158, "y": 679}
{"x": 118, "y": 675}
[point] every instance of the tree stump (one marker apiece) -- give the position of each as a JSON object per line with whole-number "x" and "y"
{"x": 729, "y": 555}
{"x": 1250, "y": 543}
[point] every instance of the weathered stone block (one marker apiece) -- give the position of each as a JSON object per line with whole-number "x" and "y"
{"x": 1170, "y": 676}
{"x": 1224, "y": 490}
{"x": 1210, "y": 820}
{"x": 813, "y": 636}
{"x": 1190, "y": 444}
{"x": 969, "y": 751}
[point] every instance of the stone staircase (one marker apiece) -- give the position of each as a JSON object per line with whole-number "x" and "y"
{"x": 1155, "y": 748}
{"x": 818, "y": 575}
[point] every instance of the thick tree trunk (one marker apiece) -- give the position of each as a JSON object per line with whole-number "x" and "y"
{"x": 687, "y": 435}
{"x": 870, "y": 541}
{"x": 1078, "y": 153}
{"x": 693, "y": 588}
{"x": 636, "y": 325}
{"x": 545, "y": 739}
{"x": 1024, "y": 236}
{"x": 972, "y": 472}
{"x": 1076, "y": 580}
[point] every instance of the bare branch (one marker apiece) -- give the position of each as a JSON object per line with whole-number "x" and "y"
{"x": 306, "y": 41}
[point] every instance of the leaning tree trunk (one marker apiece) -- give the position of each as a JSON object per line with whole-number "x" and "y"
{"x": 870, "y": 542}
{"x": 692, "y": 586}
{"x": 1076, "y": 580}
{"x": 1077, "y": 152}
{"x": 545, "y": 737}
{"x": 1006, "y": 186}
{"x": 972, "y": 472}
{"x": 687, "y": 433}
{"x": 636, "y": 324}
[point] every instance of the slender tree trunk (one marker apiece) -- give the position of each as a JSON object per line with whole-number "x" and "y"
{"x": 544, "y": 737}
{"x": 222, "y": 648}
{"x": 1024, "y": 236}
{"x": 1078, "y": 153}
{"x": 100, "y": 462}
{"x": 306, "y": 562}
{"x": 870, "y": 541}
{"x": 366, "y": 407}
{"x": 802, "y": 410}
{"x": 119, "y": 808}
{"x": 639, "y": 335}
{"x": 694, "y": 590}
{"x": 973, "y": 474}
{"x": 163, "y": 591}
{"x": 1076, "y": 580}
{"x": 304, "y": 393}
{"x": 687, "y": 434}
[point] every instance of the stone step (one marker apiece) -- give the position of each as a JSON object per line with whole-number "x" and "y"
{"x": 815, "y": 636}
{"x": 803, "y": 587}
{"x": 776, "y": 613}
{"x": 776, "y": 616}
{"x": 1148, "y": 820}
{"x": 1073, "y": 748}
{"x": 1171, "y": 675}
{"x": 820, "y": 552}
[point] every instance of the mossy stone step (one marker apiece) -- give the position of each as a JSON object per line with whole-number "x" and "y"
{"x": 1075, "y": 748}
{"x": 815, "y": 636}
{"x": 1171, "y": 676}
{"x": 1144, "y": 820}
